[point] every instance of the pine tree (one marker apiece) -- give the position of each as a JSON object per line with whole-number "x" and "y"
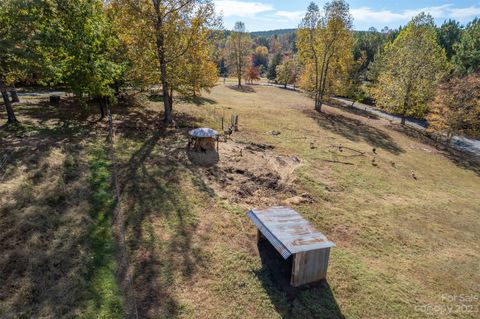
{"x": 272, "y": 67}
{"x": 467, "y": 52}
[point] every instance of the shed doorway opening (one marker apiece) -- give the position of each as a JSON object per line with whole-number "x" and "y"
{"x": 279, "y": 268}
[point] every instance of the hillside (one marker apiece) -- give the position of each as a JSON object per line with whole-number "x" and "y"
{"x": 404, "y": 215}
{"x": 272, "y": 32}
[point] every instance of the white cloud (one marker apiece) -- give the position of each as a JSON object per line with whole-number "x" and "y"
{"x": 242, "y": 9}
{"x": 465, "y": 13}
{"x": 366, "y": 14}
{"x": 290, "y": 15}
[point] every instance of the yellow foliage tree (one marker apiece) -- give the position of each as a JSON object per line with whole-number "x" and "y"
{"x": 324, "y": 45}
{"x": 413, "y": 65}
{"x": 238, "y": 49}
{"x": 168, "y": 42}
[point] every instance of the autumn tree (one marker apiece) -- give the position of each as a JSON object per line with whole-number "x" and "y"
{"x": 162, "y": 38}
{"x": 324, "y": 44}
{"x": 467, "y": 52}
{"x": 414, "y": 64}
{"x": 261, "y": 56}
{"x": 456, "y": 107}
{"x": 252, "y": 72}
{"x": 275, "y": 45}
{"x": 238, "y": 50}
{"x": 287, "y": 72}
{"x": 198, "y": 73}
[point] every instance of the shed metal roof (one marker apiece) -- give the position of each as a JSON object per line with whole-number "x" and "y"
{"x": 287, "y": 230}
{"x": 203, "y": 132}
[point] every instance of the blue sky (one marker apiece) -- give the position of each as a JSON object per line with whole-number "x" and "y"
{"x": 260, "y": 15}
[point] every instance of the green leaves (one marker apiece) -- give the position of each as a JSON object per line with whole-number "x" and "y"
{"x": 467, "y": 52}
{"x": 412, "y": 66}
{"x": 58, "y": 42}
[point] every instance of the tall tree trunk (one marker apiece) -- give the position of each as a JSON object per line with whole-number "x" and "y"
{"x": 239, "y": 70}
{"x": 318, "y": 106}
{"x": 324, "y": 78}
{"x": 320, "y": 83}
{"x": 101, "y": 101}
{"x": 11, "y": 119}
{"x": 167, "y": 119}
{"x": 14, "y": 95}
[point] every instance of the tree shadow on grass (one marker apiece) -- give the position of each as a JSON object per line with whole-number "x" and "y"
{"x": 159, "y": 219}
{"x": 243, "y": 89}
{"x": 44, "y": 229}
{"x": 355, "y": 130}
{"x": 197, "y": 100}
{"x": 69, "y": 110}
{"x": 309, "y": 301}
{"x": 352, "y": 110}
{"x": 155, "y": 97}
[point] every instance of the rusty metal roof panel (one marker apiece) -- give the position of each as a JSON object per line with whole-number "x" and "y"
{"x": 287, "y": 230}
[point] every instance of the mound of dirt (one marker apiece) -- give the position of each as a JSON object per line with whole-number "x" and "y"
{"x": 252, "y": 173}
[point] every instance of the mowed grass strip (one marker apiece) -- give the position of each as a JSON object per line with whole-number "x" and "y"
{"x": 104, "y": 297}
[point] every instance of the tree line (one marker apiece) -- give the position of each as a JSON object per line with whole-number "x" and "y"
{"x": 419, "y": 70}
{"x": 97, "y": 48}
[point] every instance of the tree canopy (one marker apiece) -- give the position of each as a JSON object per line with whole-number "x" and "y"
{"x": 324, "y": 42}
{"x": 238, "y": 50}
{"x": 456, "y": 107}
{"x": 467, "y": 52}
{"x": 413, "y": 65}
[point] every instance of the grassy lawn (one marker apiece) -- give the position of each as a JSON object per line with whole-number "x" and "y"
{"x": 55, "y": 217}
{"x": 404, "y": 215}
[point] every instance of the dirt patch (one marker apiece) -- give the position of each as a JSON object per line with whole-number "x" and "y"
{"x": 205, "y": 158}
{"x": 252, "y": 173}
{"x": 344, "y": 235}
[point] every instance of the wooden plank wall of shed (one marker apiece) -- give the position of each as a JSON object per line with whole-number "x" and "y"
{"x": 310, "y": 266}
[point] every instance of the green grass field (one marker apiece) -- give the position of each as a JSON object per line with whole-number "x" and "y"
{"x": 406, "y": 225}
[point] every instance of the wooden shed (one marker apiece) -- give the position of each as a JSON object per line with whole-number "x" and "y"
{"x": 293, "y": 237}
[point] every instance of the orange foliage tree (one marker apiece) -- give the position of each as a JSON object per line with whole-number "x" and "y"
{"x": 251, "y": 71}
